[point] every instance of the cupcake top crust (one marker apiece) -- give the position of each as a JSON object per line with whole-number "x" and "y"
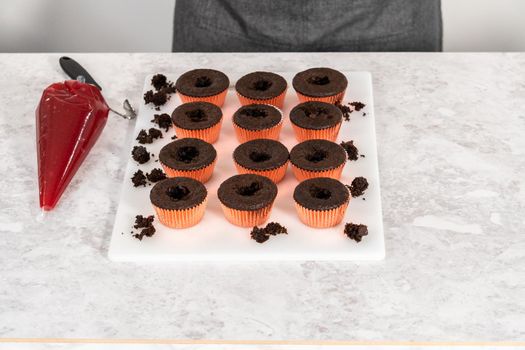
{"x": 196, "y": 115}
{"x": 261, "y": 85}
{"x": 178, "y": 193}
{"x": 257, "y": 117}
{"x": 261, "y": 154}
{"x": 202, "y": 83}
{"x": 187, "y": 154}
{"x": 317, "y": 155}
{"x": 321, "y": 193}
{"x": 247, "y": 192}
{"x": 316, "y": 115}
{"x": 319, "y": 82}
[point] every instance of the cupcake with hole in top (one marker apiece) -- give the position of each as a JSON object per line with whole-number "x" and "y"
{"x": 206, "y": 85}
{"x": 188, "y": 157}
{"x": 320, "y": 84}
{"x": 262, "y": 157}
{"x": 200, "y": 120}
{"x": 261, "y": 88}
{"x": 316, "y": 120}
{"x": 179, "y": 202}
{"x": 317, "y": 158}
{"x": 247, "y": 199}
{"x": 257, "y": 121}
{"x": 321, "y": 202}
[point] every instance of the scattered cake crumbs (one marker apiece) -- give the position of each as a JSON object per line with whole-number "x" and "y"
{"x": 144, "y": 223}
{"x": 357, "y": 105}
{"x": 158, "y": 98}
{"x": 159, "y": 81}
{"x": 143, "y": 137}
{"x": 140, "y": 154}
{"x": 174, "y": 137}
{"x": 350, "y": 149}
{"x": 163, "y": 90}
{"x": 155, "y": 133}
{"x": 163, "y": 121}
{"x": 358, "y": 186}
{"x": 356, "y": 231}
{"x": 261, "y": 235}
{"x": 345, "y": 109}
{"x": 138, "y": 179}
{"x": 362, "y": 155}
{"x": 155, "y": 175}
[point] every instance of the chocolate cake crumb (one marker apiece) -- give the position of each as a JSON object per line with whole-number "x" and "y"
{"x": 146, "y": 232}
{"x": 156, "y": 98}
{"x": 140, "y": 154}
{"x": 159, "y": 81}
{"x": 364, "y": 114}
{"x": 141, "y": 221}
{"x": 155, "y": 175}
{"x": 174, "y": 137}
{"x": 357, "y": 105}
{"x": 163, "y": 121}
{"x": 261, "y": 235}
{"x": 143, "y": 137}
{"x": 350, "y": 149}
{"x": 138, "y": 179}
{"x": 345, "y": 109}
{"x": 362, "y": 155}
{"x": 155, "y": 133}
{"x": 356, "y": 231}
{"x": 358, "y": 186}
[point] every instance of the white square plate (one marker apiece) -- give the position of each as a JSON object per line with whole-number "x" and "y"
{"x": 215, "y": 239}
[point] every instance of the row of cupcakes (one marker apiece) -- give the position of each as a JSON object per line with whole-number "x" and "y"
{"x": 314, "y": 84}
{"x": 310, "y": 120}
{"x": 247, "y": 200}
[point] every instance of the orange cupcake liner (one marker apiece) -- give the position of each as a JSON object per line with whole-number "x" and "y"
{"x": 210, "y": 135}
{"x": 245, "y": 135}
{"x": 277, "y": 101}
{"x": 217, "y": 100}
{"x": 276, "y": 175}
{"x": 181, "y": 218}
{"x": 302, "y": 174}
{"x": 247, "y": 218}
{"x": 321, "y": 218}
{"x": 330, "y": 134}
{"x": 329, "y": 99}
{"x": 202, "y": 174}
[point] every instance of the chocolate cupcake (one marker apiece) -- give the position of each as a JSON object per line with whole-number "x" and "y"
{"x": 321, "y": 202}
{"x": 262, "y": 157}
{"x": 316, "y": 120}
{"x": 188, "y": 157}
{"x": 205, "y": 85}
{"x": 317, "y": 158}
{"x": 257, "y": 121}
{"x": 320, "y": 84}
{"x": 262, "y": 88}
{"x": 247, "y": 199}
{"x": 201, "y": 120}
{"x": 179, "y": 202}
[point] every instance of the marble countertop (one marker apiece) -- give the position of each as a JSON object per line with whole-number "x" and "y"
{"x": 452, "y": 165}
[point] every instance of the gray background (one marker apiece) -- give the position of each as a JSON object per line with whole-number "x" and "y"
{"x": 144, "y": 26}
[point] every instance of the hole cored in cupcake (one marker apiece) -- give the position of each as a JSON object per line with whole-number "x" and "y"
{"x": 318, "y": 80}
{"x": 317, "y": 112}
{"x": 319, "y": 192}
{"x": 258, "y": 157}
{"x": 316, "y": 155}
{"x": 202, "y": 82}
{"x": 249, "y": 190}
{"x": 197, "y": 115}
{"x": 255, "y": 112}
{"x": 178, "y": 192}
{"x": 187, "y": 154}
{"x": 261, "y": 85}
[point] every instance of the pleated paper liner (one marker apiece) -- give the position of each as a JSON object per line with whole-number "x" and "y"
{"x": 245, "y": 135}
{"x": 247, "y": 218}
{"x": 330, "y": 134}
{"x": 183, "y": 218}
{"x": 303, "y": 174}
{"x": 329, "y": 99}
{"x": 202, "y": 174}
{"x": 217, "y": 100}
{"x": 210, "y": 135}
{"x": 276, "y": 175}
{"x": 277, "y": 101}
{"x": 321, "y": 218}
